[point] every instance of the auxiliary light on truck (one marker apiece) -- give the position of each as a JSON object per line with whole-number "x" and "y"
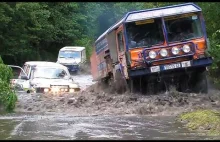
{"x": 186, "y": 48}
{"x": 152, "y": 54}
{"x": 175, "y": 50}
{"x": 163, "y": 52}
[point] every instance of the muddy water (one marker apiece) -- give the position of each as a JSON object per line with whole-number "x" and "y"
{"x": 84, "y": 80}
{"x": 61, "y": 126}
{"x": 24, "y": 127}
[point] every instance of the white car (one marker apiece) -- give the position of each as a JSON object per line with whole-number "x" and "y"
{"x": 45, "y": 77}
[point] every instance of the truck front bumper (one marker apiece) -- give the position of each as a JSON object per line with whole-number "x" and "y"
{"x": 189, "y": 65}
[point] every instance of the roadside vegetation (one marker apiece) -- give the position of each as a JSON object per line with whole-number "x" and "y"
{"x": 207, "y": 121}
{"x": 8, "y": 97}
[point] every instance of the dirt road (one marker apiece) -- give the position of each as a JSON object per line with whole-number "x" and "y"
{"x": 94, "y": 101}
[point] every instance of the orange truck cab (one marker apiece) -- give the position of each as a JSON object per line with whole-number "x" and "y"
{"x": 155, "y": 48}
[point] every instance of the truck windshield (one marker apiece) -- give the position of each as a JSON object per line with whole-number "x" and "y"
{"x": 144, "y": 33}
{"x": 69, "y": 54}
{"x": 183, "y": 27}
{"x": 49, "y": 73}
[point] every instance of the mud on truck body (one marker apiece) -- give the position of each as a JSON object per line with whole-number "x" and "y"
{"x": 149, "y": 50}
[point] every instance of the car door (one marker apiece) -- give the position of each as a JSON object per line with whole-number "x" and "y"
{"x": 20, "y": 81}
{"x": 121, "y": 50}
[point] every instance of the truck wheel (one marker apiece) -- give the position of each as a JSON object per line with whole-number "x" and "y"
{"x": 200, "y": 84}
{"x": 151, "y": 90}
{"x": 183, "y": 84}
{"x": 131, "y": 85}
{"x": 121, "y": 83}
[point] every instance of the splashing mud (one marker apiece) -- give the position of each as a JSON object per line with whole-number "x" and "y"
{"x": 93, "y": 100}
{"x": 95, "y": 113}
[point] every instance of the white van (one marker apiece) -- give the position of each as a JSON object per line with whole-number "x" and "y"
{"x": 72, "y": 57}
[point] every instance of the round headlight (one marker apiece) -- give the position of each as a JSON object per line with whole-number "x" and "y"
{"x": 186, "y": 48}
{"x": 163, "y": 52}
{"x": 152, "y": 54}
{"x": 46, "y": 90}
{"x": 175, "y": 50}
{"x": 71, "y": 90}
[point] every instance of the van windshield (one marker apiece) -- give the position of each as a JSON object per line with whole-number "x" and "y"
{"x": 69, "y": 54}
{"x": 183, "y": 27}
{"x": 145, "y": 33}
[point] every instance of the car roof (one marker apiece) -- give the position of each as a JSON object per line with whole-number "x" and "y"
{"x": 44, "y": 64}
{"x": 75, "y": 48}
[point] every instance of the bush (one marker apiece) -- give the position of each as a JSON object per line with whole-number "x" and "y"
{"x": 8, "y": 97}
{"x": 214, "y": 52}
{"x": 87, "y": 43}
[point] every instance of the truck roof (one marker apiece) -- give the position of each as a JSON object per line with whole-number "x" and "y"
{"x": 75, "y": 48}
{"x": 44, "y": 64}
{"x": 153, "y": 13}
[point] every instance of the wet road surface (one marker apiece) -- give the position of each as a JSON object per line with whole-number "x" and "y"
{"x": 53, "y": 127}
{"x": 25, "y": 126}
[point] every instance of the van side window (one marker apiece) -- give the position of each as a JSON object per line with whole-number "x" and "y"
{"x": 120, "y": 41}
{"x": 84, "y": 54}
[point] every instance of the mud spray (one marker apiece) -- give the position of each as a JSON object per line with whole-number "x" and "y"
{"x": 96, "y": 100}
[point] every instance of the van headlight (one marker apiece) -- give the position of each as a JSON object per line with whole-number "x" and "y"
{"x": 46, "y": 90}
{"x": 152, "y": 54}
{"x": 186, "y": 48}
{"x": 72, "y": 90}
{"x": 175, "y": 50}
{"x": 163, "y": 52}
{"x": 55, "y": 89}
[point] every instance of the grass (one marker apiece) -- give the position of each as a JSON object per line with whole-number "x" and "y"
{"x": 207, "y": 121}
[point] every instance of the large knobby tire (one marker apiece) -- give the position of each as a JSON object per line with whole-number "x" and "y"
{"x": 131, "y": 85}
{"x": 200, "y": 84}
{"x": 183, "y": 84}
{"x": 120, "y": 82}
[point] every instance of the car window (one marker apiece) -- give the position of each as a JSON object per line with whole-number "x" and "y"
{"x": 26, "y": 69}
{"x": 49, "y": 73}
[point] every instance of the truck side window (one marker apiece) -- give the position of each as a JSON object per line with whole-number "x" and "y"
{"x": 120, "y": 41}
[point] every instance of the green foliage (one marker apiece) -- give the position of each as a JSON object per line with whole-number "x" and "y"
{"x": 7, "y": 96}
{"x": 1, "y": 61}
{"x": 87, "y": 43}
{"x": 206, "y": 120}
{"x": 41, "y": 29}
